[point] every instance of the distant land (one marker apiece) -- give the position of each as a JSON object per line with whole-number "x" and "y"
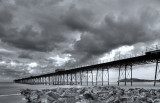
{"x": 137, "y": 80}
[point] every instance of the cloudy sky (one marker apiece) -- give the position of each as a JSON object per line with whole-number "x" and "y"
{"x": 38, "y": 36}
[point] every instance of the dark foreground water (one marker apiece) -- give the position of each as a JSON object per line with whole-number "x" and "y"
{"x": 10, "y": 92}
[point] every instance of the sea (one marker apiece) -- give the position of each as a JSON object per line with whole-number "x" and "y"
{"x": 10, "y": 92}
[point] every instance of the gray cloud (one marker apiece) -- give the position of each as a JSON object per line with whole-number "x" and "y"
{"x": 78, "y": 19}
{"x": 25, "y": 55}
{"x": 12, "y": 73}
{"x": 117, "y": 30}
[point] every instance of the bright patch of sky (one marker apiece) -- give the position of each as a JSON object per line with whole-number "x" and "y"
{"x": 117, "y": 53}
{"x": 61, "y": 60}
{"x": 34, "y": 64}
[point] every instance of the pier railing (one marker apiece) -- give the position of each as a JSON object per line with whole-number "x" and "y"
{"x": 119, "y": 57}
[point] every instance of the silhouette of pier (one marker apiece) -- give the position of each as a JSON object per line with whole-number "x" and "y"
{"x": 84, "y": 74}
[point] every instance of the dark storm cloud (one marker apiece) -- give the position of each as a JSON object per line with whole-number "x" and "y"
{"x": 5, "y": 19}
{"x": 30, "y": 40}
{"x": 78, "y": 19}
{"x": 55, "y": 26}
{"x": 50, "y": 35}
{"x": 116, "y": 30}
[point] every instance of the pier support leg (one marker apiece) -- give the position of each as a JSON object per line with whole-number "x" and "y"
{"x": 102, "y": 76}
{"x": 108, "y": 75}
{"x": 131, "y": 75}
{"x": 49, "y": 80}
{"x": 92, "y": 76}
{"x": 125, "y": 74}
{"x": 80, "y": 77}
{"x": 75, "y": 78}
{"x": 119, "y": 75}
{"x": 67, "y": 79}
{"x": 97, "y": 77}
{"x": 53, "y": 80}
{"x": 155, "y": 78}
{"x": 43, "y": 80}
{"x": 60, "y": 79}
{"x": 63, "y": 79}
{"x": 71, "y": 80}
{"x": 46, "y": 80}
{"x": 87, "y": 77}
{"x": 59, "y": 76}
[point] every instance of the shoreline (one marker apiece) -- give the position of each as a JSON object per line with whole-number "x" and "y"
{"x": 9, "y": 95}
{"x": 95, "y": 94}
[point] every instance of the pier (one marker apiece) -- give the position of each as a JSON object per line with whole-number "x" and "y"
{"x": 84, "y": 74}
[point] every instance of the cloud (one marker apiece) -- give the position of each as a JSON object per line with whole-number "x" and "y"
{"x": 78, "y": 19}
{"x": 51, "y": 34}
{"x": 49, "y": 30}
{"x": 5, "y": 71}
{"x": 25, "y": 55}
{"x": 117, "y": 30}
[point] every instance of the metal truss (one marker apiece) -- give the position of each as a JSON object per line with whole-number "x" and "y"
{"x": 125, "y": 73}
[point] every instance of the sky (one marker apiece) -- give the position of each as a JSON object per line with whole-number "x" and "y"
{"x": 39, "y": 36}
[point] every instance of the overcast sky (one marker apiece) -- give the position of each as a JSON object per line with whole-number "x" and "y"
{"x": 37, "y": 36}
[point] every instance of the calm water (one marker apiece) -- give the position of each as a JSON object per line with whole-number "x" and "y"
{"x": 10, "y": 92}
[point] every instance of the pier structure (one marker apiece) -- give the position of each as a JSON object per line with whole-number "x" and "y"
{"x": 98, "y": 74}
